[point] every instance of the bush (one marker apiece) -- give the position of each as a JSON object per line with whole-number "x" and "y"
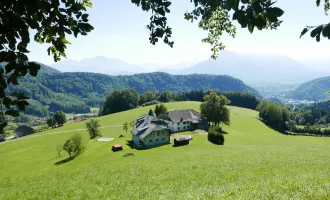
{"x": 149, "y": 103}
{"x": 215, "y": 135}
{"x": 74, "y": 145}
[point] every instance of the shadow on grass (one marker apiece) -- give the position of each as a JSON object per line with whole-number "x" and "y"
{"x": 131, "y": 144}
{"x": 61, "y": 162}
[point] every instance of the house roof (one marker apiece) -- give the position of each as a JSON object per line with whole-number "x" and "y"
{"x": 183, "y": 137}
{"x": 23, "y": 130}
{"x": 145, "y": 124}
{"x": 183, "y": 116}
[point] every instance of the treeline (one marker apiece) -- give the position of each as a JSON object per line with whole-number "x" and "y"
{"x": 76, "y": 92}
{"x": 240, "y": 99}
{"x": 274, "y": 115}
{"x": 125, "y": 99}
{"x": 284, "y": 119}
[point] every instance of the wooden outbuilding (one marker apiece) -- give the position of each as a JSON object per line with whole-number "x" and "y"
{"x": 117, "y": 147}
{"x": 182, "y": 140}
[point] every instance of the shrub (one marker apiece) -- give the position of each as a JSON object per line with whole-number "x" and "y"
{"x": 149, "y": 103}
{"x": 74, "y": 145}
{"x": 215, "y": 135}
{"x": 216, "y": 138}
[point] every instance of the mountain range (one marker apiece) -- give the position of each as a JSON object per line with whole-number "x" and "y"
{"x": 250, "y": 68}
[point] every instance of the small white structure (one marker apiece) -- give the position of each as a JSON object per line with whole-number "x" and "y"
{"x": 104, "y": 139}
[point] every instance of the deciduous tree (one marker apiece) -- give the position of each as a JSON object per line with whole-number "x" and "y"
{"x": 93, "y": 128}
{"x": 120, "y": 100}
{"x": 51, "y": 22}
{"x": 214, "y": 110}
{"x": 60, "y": 117}
{"x": 125, "y": 126}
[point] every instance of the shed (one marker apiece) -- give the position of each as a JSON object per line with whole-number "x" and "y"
{"x": 182, "y": 140}
{"x": 23, "y": 131}
{"x": 117, "y": 147}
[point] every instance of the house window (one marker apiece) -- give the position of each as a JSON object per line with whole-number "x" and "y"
{"x": 184, "y": 127}
{"x": 178, "y": 128}
{"x": 163, "y": 132}
{"x": 157, "y": 140}
{"x": 188, "y": 127}
{"x": 178, "y": 123}
{"x": 158, "y": 134}
{"x": 163, "y": 138}
{"x": 184, "y": 122}
{"x": 150, "y": 140}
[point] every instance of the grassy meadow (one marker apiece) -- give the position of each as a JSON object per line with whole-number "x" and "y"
{"x": 256, "y": 162}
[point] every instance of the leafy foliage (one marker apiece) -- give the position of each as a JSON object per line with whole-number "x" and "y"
{"x": 120, "y": 100}
{"x": 160, "y": 109}
{"x": 92, "y": 128}
{"x": 74, "y": 145}
{"x": 51, "y": 122}
{"x": 214, "y": 16}
{"x": 151, "y": 112}
{"x": 60, "y": 117}
{"x": 51, "y": 21}
{"x": 215, "y": 135}
{"x": 274, "y": 115}
{"x": 214, "y": 110}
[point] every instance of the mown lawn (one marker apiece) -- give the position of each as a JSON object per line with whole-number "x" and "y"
{"x": 255, "y": 163}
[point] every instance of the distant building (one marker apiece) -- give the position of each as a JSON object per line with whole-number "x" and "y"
{"x": 183, "y": 120}
{"x": 152, "y": 131}
{"x": 23, "y": 131}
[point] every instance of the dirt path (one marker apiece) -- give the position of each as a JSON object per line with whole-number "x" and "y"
{"x": 57, "y": 132}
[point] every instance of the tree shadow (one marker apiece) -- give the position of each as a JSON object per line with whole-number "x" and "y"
{"x": 61, "y": 162}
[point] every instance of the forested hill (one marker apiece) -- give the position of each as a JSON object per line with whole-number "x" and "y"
{"x": 315, "y": 90}
{"x": 77, "y": 91}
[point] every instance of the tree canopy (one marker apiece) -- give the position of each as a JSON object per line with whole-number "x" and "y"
{"x": 214, "y": 110}
{"x": 50, "y": 21}
{"x": 120, "y": 100}
{"x": 217, "y": 16}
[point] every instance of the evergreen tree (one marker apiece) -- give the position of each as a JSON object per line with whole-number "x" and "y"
{"x": 151, "y": 113}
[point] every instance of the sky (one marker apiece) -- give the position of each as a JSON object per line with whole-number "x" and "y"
{"x": 120, "y": 33}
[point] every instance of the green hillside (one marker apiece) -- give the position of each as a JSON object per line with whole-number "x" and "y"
{"x": 255, "y": 163}
{"x": 315, "y": 90}
{"x": 76, "y": 92}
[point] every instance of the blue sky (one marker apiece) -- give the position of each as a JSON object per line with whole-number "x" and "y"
{"x": 120, "y": 33}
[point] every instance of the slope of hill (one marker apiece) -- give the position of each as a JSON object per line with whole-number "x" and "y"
{"x": 79, "y": 91}
{"x": 255, "y": 68}
{"x": 99, "y": 65}
{"x": 255, "y": 163}
{"x": 315, "y": 90}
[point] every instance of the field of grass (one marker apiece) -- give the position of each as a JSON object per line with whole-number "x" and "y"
{"x": 255, "y": 163}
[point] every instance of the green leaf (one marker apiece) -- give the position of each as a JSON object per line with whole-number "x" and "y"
{"x": 251, "y": 27}
{"x": 2, "y": 94}
{"x": 304, "y": 32}
{"x": 7, "y": 102}
{"x": 65, "y": 41}
{"x": 326, "y": 31}
{"x": 316, "y": 31}
{"x": 13, "y": 113}
{"x": 13, "y": 79}
{"x": 21, "y": 104}
{"x": 276, "y": 11}
{"x": 19, "y": 96}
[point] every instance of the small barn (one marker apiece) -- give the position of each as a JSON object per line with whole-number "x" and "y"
{"x": 117, "y": 147}
{"x": 23, "y": 131}
{"x": 182, "y": 140}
